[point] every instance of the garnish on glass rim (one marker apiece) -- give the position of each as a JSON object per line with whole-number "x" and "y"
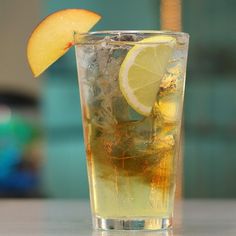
{"x": 53, "y": 36}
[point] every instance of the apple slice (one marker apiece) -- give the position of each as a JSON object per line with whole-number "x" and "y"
{"x": 54, "y": 36}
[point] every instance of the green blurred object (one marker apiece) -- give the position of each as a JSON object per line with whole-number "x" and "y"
{"x": 18, "y": 128}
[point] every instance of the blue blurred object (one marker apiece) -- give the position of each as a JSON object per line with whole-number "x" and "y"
{"x": 9, "y": 157}
{"x": 18, "y": 176}
{"x": 18, "y": 182}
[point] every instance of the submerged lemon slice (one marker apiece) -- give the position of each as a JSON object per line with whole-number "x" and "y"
{"x": 142, "y": 70}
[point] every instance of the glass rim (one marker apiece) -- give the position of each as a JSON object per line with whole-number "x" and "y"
{"x": 104, "y": 33}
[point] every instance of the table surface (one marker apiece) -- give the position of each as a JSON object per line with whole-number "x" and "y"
{"x": 72, "y": 218}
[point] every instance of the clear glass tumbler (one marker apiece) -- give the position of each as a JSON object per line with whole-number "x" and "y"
{"x": 132, "y": 89}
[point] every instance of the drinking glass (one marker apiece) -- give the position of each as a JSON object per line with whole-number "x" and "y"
{"x": 131, "y": 157}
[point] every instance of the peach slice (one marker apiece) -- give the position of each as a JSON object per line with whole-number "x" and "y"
{"x": 54, "y": 36}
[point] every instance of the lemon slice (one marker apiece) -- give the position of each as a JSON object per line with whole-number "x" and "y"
{"x": 142, "y": 70}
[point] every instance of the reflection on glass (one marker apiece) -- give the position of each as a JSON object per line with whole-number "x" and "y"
{"x": 133, "y": 233}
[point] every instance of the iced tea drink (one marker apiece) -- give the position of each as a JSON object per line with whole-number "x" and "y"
{"x": 132, "y": 89}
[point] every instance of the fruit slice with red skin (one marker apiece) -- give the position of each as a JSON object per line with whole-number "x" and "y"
{"x": 53, "y": 37}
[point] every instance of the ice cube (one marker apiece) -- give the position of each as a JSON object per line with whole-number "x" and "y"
{"x": 125, "y": 37}
{"x": 120, "y": 109}
{"x": 86, "y": 55}
{"x": 172, "y": 80}
{"x": 166, "y": 142}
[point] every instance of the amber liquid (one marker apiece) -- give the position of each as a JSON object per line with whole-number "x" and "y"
{"x": 131, "y": 158}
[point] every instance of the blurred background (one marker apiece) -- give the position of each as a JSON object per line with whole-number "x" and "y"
{"x": 41, "y": 140}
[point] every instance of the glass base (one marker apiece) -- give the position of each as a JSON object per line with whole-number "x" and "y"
{"x": 132, "y": 224}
